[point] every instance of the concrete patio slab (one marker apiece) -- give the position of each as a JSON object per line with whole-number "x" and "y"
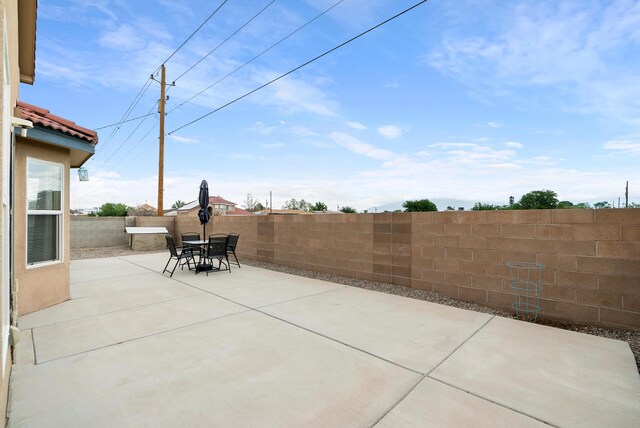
{"x": 561, "y": 377}
{"x": 271, "y": 292}
{"x": 239, "y": 371}
{"x": 223, "y": 280}
{"x": 148, "y": 350}
{"x": 106, "y": 271}
{"x": 138, "y": 281}
{"x": 433, "y": 404}
{"x": 73, "y": 337}
{"x": 162, "y": 289}
{"x": 412, "y": 333}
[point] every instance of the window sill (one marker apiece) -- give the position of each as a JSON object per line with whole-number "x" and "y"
{"x": 44, "y": 264}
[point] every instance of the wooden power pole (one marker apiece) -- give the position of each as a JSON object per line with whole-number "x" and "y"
{"x": 161, "y": 144}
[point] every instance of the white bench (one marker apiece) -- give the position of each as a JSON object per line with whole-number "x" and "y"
{"x": 147, "y": 238}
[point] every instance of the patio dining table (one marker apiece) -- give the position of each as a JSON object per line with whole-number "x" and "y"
{"x": 202, "y": 245}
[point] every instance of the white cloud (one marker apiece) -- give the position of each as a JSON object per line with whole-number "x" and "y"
{"x": 514, "y": 144}
{"x": 184, "y": 140}
{"x": 584, "y": 51}
{"x": 390, "y": 131}
{"x": 297, "y": 95}
{"x": 355, "y": 145}
{"x": 624, "y": 145}
{"x": 356, "y": 125}
{"x": 494, "y": 125}
{"x": 272, "y": 145}
{"x": 262, "y": 129}
{"x": 302, "y": 131}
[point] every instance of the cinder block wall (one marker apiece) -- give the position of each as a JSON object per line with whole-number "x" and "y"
{"x": 591, "y": 257}
{"x": 99, "y": 231}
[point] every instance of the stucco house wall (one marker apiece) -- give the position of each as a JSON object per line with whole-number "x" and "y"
{"x": 39, "y": 286}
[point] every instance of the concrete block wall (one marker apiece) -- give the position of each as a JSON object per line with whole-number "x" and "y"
{"x": 591, "y": 257}
{"x": 99, "y": 231}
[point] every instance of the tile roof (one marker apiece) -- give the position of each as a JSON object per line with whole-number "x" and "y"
{"x": 219, "y": 200}
{"x": 45, "y": 118}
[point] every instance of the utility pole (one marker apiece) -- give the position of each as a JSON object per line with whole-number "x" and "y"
{"x": 161, "y": 144}
{"x": 626, "y": 196}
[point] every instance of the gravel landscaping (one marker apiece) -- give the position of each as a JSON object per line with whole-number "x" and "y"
{"x": 630, "y": 336}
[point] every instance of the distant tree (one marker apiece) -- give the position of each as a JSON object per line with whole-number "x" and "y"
{"x": 294, "y": 204}
{"x": 450, "y": 208}
{"x": 178, "y": 204}
{"x": 348, "y": 210}
{"x": 250, "y": 203}
{"x": 538, "y": 200}
{"x": 479, "y": 206}
{"x": 633, "y": 205}
{"x": 565, "y": 204}
{"x": 111, "y": 209}
{"x": 318, "y": 206}
{"x": 602, "y": 204}
{"x": 258, "y": 207}
{"x": 419, "y": 205}
{"x": 583, "y": 205}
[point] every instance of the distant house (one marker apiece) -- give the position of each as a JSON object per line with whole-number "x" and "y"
{"x": 142, "y": 210}
{"x": 217, "y": 206}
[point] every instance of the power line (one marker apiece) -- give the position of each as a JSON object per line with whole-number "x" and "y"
{"x": 195, "y": 31}
{"x": 225, "y": 40}
{"x": 148, "y": 82}
{"x": 256, "y": 57}
{"x": 133, "y": 104}
{"x": 130, "y": 135}
{"x": 300, "y": 66}
{"x": 123, "y": 121}
{"x": 84, "y": 192}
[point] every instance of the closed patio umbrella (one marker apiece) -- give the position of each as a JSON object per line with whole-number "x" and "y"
{"x": 203, "y": 199}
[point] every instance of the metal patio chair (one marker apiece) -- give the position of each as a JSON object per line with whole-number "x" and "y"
{"x": 191, "y": 236}
{"x": 233, "y": 243}
{"x": 179, "y": 254}
{"x": 217, "y": 250}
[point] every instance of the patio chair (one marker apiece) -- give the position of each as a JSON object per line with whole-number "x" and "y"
{"x": 231, "y": 247}
{"x": 191, "y": 236}
{"x": 179, "y": 254}
{"x": 217, "y": 250}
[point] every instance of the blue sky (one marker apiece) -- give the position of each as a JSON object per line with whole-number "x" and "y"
{"x": 469, "y": 99}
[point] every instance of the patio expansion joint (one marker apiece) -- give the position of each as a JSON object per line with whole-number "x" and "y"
{"x": 409, "y": 391}
{"x": 461, "y": 345}
{"x": 493, "y": 402}
{"x": 340, "y": 342}
{"x": 428, "y": 375}
{"x": 137, "y": 338}
{"x": 34, "y": 327}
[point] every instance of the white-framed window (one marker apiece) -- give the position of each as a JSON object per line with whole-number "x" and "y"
{"x": 45, "y": 202}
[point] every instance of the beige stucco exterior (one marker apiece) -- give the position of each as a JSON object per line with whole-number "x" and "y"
{"x": 39, "y": 286}
{"x": 17, "y": 40}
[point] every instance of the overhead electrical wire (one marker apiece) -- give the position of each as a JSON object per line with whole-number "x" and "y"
{"x": 124, "y": 121}
{"x": 121, "y": 166}
{"x": 124, "y": 118}
{"x": 256, "y": 57}
{"x": 195, "y": 31}
{"x": 225, "y": 40}
{"x": 130, "y": 135}
{"x": 299, "y": 67}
